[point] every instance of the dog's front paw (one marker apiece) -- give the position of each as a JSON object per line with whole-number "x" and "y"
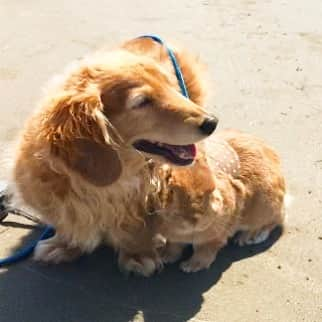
{"x": 171, "y": 253}
{"x": 139, "y": 264}
{"x": 53, "y": 251}
{"x": 195, "y": 264}
{"x": 252, "y": 237}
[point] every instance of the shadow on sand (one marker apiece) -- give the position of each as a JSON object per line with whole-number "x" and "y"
{"x": 93, "y": 290}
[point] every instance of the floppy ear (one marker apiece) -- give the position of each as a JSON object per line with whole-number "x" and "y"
{"x": 76, "y": 129}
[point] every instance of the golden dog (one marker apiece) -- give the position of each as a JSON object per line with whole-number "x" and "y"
{"x": 235, "y": 185}
{"x": 82, "y": 159}
{"x": 82, "y": 164}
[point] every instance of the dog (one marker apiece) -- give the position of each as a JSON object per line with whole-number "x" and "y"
{"x": 235, "y": 185}
{"x": 82, "y": 161}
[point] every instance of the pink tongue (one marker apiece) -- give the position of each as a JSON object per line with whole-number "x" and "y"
{"x": 183, "y": 151}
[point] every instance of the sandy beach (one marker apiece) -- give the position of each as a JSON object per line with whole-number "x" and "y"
{"x": 264, "y": 70}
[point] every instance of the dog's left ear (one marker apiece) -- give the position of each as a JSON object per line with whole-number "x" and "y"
{"x": 77, "y": 131}
{"x": 98, "y": 164}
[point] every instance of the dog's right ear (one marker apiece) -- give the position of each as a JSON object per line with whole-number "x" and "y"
{"x": 76, "y": 129}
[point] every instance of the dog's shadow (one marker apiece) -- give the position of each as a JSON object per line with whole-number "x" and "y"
{"x": 93, "y": 290}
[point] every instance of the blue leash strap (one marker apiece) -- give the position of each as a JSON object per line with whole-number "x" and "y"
{"x": 174, "y": 61}
{"x": 27, "y": 250}
{"x": 5, "y": 210}
{"x": 49, "y": 231}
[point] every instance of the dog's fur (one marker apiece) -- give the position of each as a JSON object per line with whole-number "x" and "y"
{"x": 76, "y": 166}
{"x": 75, "y": 163}
{"x": 204, "y": 206}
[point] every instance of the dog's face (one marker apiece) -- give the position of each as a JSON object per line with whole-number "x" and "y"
{"x": 150, "y": 115}
{"x": 132, "y": 102}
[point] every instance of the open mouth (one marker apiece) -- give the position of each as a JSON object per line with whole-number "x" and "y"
{"x": 177, "y": 154}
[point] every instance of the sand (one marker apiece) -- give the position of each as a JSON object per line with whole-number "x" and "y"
{"x": 264, "y": 61}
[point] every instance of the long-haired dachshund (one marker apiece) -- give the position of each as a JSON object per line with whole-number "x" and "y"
{"x": 82, "y": 163}
{"x": 82, "y": 159}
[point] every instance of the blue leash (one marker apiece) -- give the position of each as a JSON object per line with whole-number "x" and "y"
{"x": 175, "y": 64}
{"x": 50, "y": 231}
{"x": 27, "y": 250}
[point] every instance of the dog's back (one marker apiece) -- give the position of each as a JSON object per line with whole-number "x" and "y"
{"x": 261, "y": 174}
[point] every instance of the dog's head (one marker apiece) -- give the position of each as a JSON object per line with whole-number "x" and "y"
{"x": 125, "y": 103}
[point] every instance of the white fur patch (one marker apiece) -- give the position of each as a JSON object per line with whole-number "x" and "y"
{"x": 259, "y": 238}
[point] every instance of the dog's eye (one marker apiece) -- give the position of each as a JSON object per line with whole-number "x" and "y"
{"x": 141, "y": 101}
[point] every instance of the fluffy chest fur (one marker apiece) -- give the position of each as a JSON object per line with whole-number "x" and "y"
{"x": 201, "y": 201}
{"x": 82, "y": 213}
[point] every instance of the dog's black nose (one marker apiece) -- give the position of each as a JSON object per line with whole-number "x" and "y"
{"x": 208, "y": 125}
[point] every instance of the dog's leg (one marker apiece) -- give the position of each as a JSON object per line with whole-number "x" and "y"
{"x": 139, "y": 264}
{"x": 54, "y": 250}
{"x": 171, "y": 252}
{"x": 253, "y": 237}
{"x": 203, "y": 256}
